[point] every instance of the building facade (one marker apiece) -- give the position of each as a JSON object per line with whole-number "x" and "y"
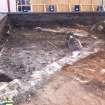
{"x": 61, "y": 5}
{"x": 52, "y": 5}
{"x": 7, "y": 5}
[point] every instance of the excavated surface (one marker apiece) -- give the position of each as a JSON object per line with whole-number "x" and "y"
{"x": 82, "y": 83}
{"x": 29, "y": 50}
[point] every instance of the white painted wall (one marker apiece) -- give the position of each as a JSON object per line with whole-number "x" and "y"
{"x": 3, "y": 6}
{"x": 13, "y": 5}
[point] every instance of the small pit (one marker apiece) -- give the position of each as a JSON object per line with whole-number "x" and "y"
{"x": 5, "y": 78}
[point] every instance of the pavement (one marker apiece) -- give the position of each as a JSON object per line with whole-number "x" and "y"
{"x": 2, "y": 15}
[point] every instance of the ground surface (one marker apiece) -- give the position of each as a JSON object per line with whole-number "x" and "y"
{"x": 79, "y": 84}
{"x": 30, "y": 50}
{"x": 27, "y": 51}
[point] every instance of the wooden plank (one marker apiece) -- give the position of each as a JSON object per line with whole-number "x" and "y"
{"x": 66, "y": 5}
{"x": 95, "y": 2}
{"x": 86, "y": 8}
{"x": 63, "y": 7}
{"x": 37, "y": 1}
{"x": 51, "y": 2}
{"x": 104, "y": 2}
{"x": 38, "y": 8}
{"x": 86, "y": 5}
{"x": 75, "y": 2}
{"x": 85, "y": 2}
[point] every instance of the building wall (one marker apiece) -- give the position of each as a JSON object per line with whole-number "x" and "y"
{"x": 13, "y": 5}
{"x": 4, "y": 6}
{"x": 60, "y": 5}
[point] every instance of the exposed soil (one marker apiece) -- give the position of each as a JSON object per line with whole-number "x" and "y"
{"x": 30, "y": 50}
{"x": 82, "y": 83}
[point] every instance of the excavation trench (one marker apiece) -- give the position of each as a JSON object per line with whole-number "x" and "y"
{"x": 32, "y": 52}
